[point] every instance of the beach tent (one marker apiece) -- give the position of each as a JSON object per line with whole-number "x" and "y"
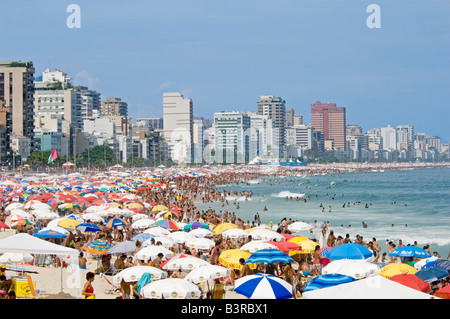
{"x": 375, "y": 287}
{"x": 24, "y": 243}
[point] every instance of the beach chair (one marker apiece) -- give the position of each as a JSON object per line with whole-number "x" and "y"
{"x": 41, "y": 260}
{"x": 114, "y": 290}
{"x": 35, "y": 293}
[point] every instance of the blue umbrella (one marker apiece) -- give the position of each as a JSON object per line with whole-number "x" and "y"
{"x": 432, "y": 274}
{"x": 409, "y": 251}
{"x": 263, "y": 286}
{"x": 88, "y": 227}
{"x": 269, "y": 256}
{"x": 142, "y": 237}
{"x": 328, "y": 280}
{"x": 349, "y": 251}
{"x": 50, "y": 234}
{"x": 195, "y": 225}
{"x": 443, "y": 263}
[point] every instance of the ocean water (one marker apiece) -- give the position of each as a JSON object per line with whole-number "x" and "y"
{"x": 411, "y": 205}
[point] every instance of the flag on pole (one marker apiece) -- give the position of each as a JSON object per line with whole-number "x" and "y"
{"x": 52, "y": 157}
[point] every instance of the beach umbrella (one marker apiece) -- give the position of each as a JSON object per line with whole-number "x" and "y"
{"x": 195, "y": 225}
{"x": 324, "y": 281}
{"x": 393, "y": 269}
{"x": 308, "y": 245}
{"x": 200, "y": 243}
{"x": 159, "y": 208}
{"x": 3, "y": 225}
{"x": 349, "y": 251}
{"x": 186, "y": 264}
{"x": 269, "y": 256}
{"x": 157, "y": 231}
{"x": 171, "y": 288}
{"x": 230, "y": 258}
{"x": 115, "y": 222}
{"x": 180, "y": 237}
{"x": 202, "y": 274}
{"x": 142, "y": 223}
{"x": 142, "y": 237}
{"x": 286, "y": 247}
{"x": 443, "y": 263}
{"x": 235, "y": 233}
{"x": 135, "y": 273}
{"x": 256, "y": 245}
{"x": 201, "y": 232}
{"x": 44, "y": 215}
{"x": 299, "y": 226}
{"x": 167, "y": 224}
{"x": 432, "y": 274}
{"x": 151, "y": 252}
{"x": 165, "y": 241}
{"x": 263, "y": 286}
{"x": 93, "y": 217}
{"x": 88, "y": 227}
{"x": 425, "y": 262}
{"x": 97, "y": 246}
{"x": 443, "y": 293}
{"x": 409, "y": 251}
{"x": 124, "y": 247}
{"x": 412, "y": 281}
{"x": 266, "y": 234}
{"x": 68, "y": 224}
{"x": 136, "y": 217}
{"x": 13, "y": 206}
{"x": 223, "y": 227}
{"x": 297, "y": 239}
{"x": 357, "y": 269}
{"x": 49, "y": 233}
{"x": 182, "y": 255}
{"x": 16, "y": 258}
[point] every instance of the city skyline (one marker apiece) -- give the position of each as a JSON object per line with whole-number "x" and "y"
{"x": 225, "y": 56}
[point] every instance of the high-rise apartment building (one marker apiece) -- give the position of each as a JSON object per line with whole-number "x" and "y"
{"x": 114, "y": 106}
{"x": 331, "y": 121}
{"x": 275, "y": 109}
{"x": 16, "y": 92}
{"x": 178, "y": 122}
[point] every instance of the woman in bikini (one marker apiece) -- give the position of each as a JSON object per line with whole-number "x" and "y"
{"x": 88, "y": 290}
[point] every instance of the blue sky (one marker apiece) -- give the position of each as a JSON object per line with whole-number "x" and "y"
{"x": 225, "y": 54}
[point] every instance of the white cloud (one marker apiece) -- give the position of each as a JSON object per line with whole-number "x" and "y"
{"x": 83, "y": 78}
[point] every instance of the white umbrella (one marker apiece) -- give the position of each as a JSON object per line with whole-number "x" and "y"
{"x": 135, "y": 273}
{"x": 180, "y": 237}
{"x": 127, "y": 212}
{"x": 157, "y": 231}
{"x": 235, "y": 233}
{"x": 263, "y": 286}
{"x": 43, "y": 215}
{"x": 166, "y": 242}
{"x": 151, "y": 252}
{"x": 299, "y": 226}
{"x": 265, "y": 234}
{"x": 418, "y": 265}
{"x": 143, "y": 223}
{"x": 13, "y": 206}
{"x": 136, "y": 217}
{"x": 200, "y": 243}
{"x": 188, "y": 263}
{"x": 171, "y": 288}
{"x": 19, "y": 212}
{"x": 16, "y": 258}
{"x": 93, "y": 217}
{"x": 201, "y": 232}
{"x": 357, "y": 269}
{"x": 205, "y": 273}
{"x": 256, "y": 245}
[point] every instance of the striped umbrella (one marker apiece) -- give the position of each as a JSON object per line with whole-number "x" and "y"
{"x": 115, "y": 222}
{"x": 329, "y": 280}
{"x": 88, "y": 227}
{"x": 167, "y": 224}
{"x": 263, "y": 286}
{"x": 269, "y": 256}
{"x": 97, "y": 246}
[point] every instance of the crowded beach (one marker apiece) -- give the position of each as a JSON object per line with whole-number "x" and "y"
{"x": 139, "y": 235}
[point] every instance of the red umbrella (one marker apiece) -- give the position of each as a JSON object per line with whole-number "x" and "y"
{"x": 287, "y": 236}
{"x": 285, "y": 246}
{"x": 3, "y": 225}
{"x": 443, "y": 293}
{"x": 412, "y": 281}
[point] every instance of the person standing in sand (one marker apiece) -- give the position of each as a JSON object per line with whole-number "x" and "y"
{"x": 88, "y": 290}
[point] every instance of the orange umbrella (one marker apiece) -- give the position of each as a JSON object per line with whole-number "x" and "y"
{"x": 443, "y": 293}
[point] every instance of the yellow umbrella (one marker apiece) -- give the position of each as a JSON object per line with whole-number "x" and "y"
{"x": 308, "y": 246}
{"x": 297, "y": 239}
{"x": 219, "y": 229}
{"x": 69, "y": 223}
{"x": 230, "y": 258}
{"x": 254, "y": 228}
{"x": 159, "y": 208}
{"x": 395, "y": 269}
